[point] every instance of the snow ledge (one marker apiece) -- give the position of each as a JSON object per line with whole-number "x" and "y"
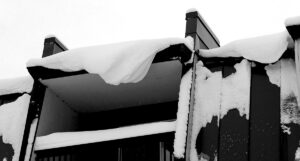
{"x": 64, "y": 139}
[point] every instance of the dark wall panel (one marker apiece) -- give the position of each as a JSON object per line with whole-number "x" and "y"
{"x": 264, "y": 117}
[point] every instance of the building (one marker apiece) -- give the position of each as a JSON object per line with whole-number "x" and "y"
{"x": 234, "y": 110}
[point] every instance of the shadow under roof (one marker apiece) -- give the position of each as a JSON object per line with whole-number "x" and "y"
{"x": 85, "y": 92}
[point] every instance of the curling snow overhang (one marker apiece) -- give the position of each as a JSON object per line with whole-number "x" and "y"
{"x": 86, "y": 92}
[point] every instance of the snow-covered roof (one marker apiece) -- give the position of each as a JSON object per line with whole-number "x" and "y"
{"x": 116, "y": 63}
{"x": 16, "y": 85}
{"x": 191, "y": 10}
{"x": 292, "y": 21}
{"x": 64, "y": 139}
{"x": 263, "y": 49}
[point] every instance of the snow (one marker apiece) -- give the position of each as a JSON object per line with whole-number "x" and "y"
{"x": 50, "y": 36}
{"x": 273, "y": 72}
{"x": 33, "y": 128}
{"x": 290, "y": 111}
{"x": 182, "y": 115}
{"x": 207, "y": 102}
{"x": 191, "y": 10}
{"x": 215, "y": 96}
{"x": 286, "y": 129}
{"x": 190, "y": 61}
{"x": 191, "y": 44}
{"x": 116, "y": 63}
{"x": 297, "y": 62}
{"x": 65, "y": 139}
{"x": 12, "y": 123}
{"x": 263, "y": 49}
{"x": 292, "y": 21}
{"x": 203, "y": 159}
{"x": 16, "y": 85}
{"x": 297, "y": 154}
{"x": 236, "y": 90}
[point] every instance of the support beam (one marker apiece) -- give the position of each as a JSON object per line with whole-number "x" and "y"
{"x": 204, "y": 38}
{"x": 51, "y": 46}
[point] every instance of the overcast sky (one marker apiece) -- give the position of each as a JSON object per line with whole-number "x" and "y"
{"x": 77, "y": 23}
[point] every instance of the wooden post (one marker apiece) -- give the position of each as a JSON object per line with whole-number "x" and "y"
{"x": 51, "y": 46}
{"x": 204, "y": 38}
{"x": 198, "y": 29}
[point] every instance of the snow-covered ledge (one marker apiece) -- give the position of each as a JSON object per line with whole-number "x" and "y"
{"x": 64, "y": 139}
